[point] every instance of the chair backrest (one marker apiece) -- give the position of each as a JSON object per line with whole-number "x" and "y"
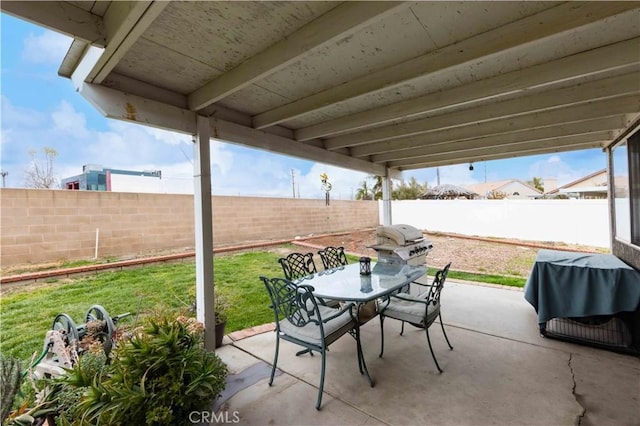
{"x": 297, "y": 265}
{"x": 293, "y": 302}
{"x": 438, "y": 283}
{"x": 332, "y": 257}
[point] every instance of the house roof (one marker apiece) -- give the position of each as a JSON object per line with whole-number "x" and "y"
{"x": 577, "y": 181}
{"x": 379, "y": 87}
{"x": 486, "y": 187}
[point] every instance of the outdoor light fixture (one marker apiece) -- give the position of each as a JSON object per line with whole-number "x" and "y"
{"x": 471, "y": 166}
{"x": 365, "y": 265}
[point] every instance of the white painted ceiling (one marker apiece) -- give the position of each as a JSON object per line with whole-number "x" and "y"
{"x": 374, "y": 86}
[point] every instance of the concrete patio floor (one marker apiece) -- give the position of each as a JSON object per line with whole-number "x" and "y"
{"x": 500, "y": 372}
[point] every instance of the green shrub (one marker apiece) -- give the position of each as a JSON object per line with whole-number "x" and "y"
{"x": 9, "y": 384}
{"x": 155, "y": 376}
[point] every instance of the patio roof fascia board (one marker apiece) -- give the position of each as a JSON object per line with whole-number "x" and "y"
{"x": 338, "y": 22}
{"x": 618, "y": 55}
{"x": 72, "y": 58}
{"x": 127, "y": 107}
{"x": 60, "y": 16}
{"x": 547, "y": 100}
{"x": 119, "y": 105}
{"x": 549, "y": 22}
{"x": 237, "y": 133}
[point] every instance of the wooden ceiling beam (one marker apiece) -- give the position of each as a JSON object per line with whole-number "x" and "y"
{"x": 60, "y": 16}
{"x": 588, "y": 92}
{"x": 345, "y": 19}
{"x": 125, "y": 22}
{"x": 489, "y": 155}
{"x": 497, "y": 142}
{"x": 593, "y": 62}
{"x": 551, "y": 21}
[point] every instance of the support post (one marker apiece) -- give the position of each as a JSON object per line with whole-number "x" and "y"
{"x": 386, "y": 200}
{"x": 203, "y": 222}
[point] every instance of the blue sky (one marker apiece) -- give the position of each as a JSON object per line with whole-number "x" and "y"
{"x": 41, "y": 109}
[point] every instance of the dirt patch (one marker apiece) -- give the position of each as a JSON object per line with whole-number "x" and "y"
{"x": 496, "y": 256}
{"x": 470, "y": 254}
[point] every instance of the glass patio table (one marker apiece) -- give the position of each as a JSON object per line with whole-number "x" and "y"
{"x": 345, "y": 283}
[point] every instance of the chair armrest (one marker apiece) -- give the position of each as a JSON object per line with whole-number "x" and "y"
{"x": 425, "y": 284}
{"x": 345, "y": 308}
{"x": 410, "y": 299}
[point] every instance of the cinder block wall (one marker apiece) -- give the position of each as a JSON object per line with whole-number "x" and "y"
{"x": 48, "y": 225}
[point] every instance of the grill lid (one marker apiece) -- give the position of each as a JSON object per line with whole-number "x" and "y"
{"x": 400, "y": 235}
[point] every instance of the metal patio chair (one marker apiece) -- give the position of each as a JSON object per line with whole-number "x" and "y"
{"x": 301, "y": 320}
{"x": 418, "y": 310}
{"x": 333, "y": 257}
{"x": 298, "y": 265}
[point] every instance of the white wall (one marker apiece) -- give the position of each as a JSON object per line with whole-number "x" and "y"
{"x": 569, "y": 221}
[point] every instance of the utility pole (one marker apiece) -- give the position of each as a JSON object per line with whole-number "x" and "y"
{"x": 4, "y": 175}
{"x": 438, "y": 175}
{"x": 293, "y": 183}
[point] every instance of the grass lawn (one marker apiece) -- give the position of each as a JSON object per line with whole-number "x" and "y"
{"x": 27, "y": 313}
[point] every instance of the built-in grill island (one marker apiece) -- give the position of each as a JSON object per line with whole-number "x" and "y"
{"x": 401, "y": 245}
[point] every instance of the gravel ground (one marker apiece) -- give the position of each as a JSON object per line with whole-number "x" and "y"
{"x": 503, "y": 257}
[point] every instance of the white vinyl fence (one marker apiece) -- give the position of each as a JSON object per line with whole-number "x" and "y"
{"x": 569, "y": 221}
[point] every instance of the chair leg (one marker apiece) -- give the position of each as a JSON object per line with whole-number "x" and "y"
{"x": 381, "y": 335}
{"x": 431, "y": 349}
{"x": 443, "y": 332}
{"x": 402, "y": 329}
{"x": 275, "y": 361}
{"x": 324, "y": 361}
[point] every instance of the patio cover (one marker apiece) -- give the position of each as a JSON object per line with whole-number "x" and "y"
{"x": 378, "y": 87}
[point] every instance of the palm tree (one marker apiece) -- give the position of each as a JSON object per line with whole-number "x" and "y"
{"x": 536, "y": 183}
{"x": 363, "y": 192}
{"x": 412, "y": 191}
{"x": 377, "y": 187}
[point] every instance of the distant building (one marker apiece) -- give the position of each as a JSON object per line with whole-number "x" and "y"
{"x": 592, "y": 186}
{"x": 510, "y": 188}
{"x": 97, "y": 178}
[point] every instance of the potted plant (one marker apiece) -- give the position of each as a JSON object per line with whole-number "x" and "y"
{"x": 220, "y": 308}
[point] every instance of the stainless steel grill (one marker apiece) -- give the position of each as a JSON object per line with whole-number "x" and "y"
{"x": 401, "y": 244}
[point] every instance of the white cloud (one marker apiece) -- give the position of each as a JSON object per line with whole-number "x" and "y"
{"x": 14, "y": 116}
{"x": 458, "y": 174}
{"x": 67, "y": 120}
{"x": 554, "y": 167}
{"x": 171, "y": 138}
{"x": 221, "y": 156}
{"x": 344, "y": 183}
{"x": 49, "y": 48}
